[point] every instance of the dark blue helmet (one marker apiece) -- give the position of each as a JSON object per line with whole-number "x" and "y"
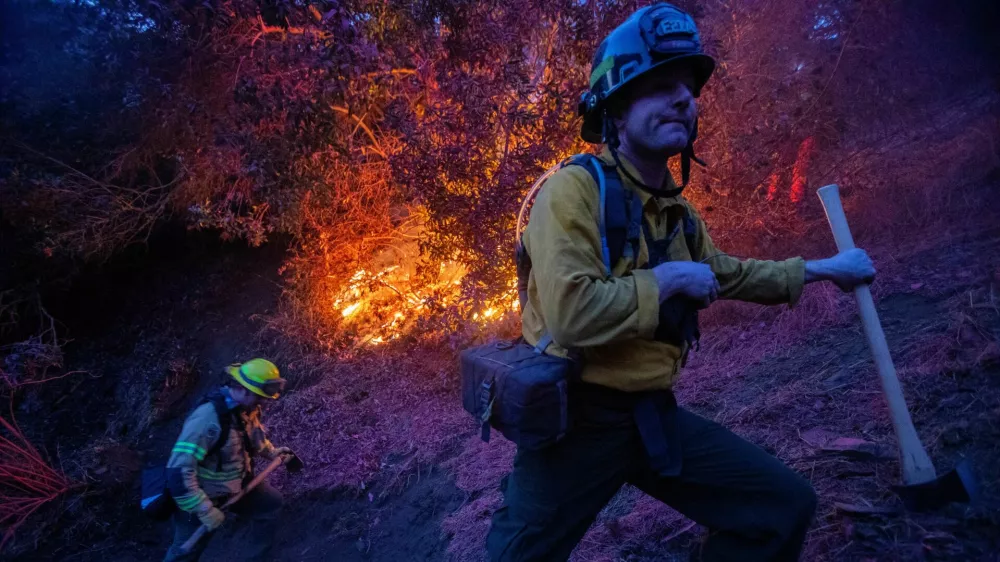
{"x": 651, "y": 38}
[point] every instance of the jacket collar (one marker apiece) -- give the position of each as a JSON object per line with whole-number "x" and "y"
{"x": 230, "y": 403}
{"x": 644, "y": 196}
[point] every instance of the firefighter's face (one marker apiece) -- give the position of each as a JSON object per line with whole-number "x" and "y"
{"x": 247, "y": 399}
{"x": 659, "y": 114}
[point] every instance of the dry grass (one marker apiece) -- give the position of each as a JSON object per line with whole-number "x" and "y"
{"x": 181, "y": 377}
{"x": 27, "y": 480}
{"x": 32, "y": 360}
{"x": 384, "y": 414}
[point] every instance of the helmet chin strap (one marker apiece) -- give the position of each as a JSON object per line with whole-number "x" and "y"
{"x": 687, "y": 155}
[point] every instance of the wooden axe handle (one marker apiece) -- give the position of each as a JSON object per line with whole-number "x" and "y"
{"x": 916, "y": 464}
{"x": 200, "y": 532}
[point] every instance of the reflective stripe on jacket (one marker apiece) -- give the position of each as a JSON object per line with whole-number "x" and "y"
{"x": 193, "y": 475}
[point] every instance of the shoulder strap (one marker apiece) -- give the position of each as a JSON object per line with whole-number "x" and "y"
{"x": 620, "y": 214}
{"x": 225, "y": 424}
{"x": 691, "y": 235}
{"x": 619, "y": 222}
{"x": 623, "y": 217}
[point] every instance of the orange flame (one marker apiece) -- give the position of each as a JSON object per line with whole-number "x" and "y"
{"x": 392, "y": 297}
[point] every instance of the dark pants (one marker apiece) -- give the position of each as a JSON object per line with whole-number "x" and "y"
{"x": 261, "y": 505}
{"x": 755, "y": 507}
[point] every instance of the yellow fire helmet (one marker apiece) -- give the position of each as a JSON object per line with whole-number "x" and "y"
{"x": 259, "y": 376}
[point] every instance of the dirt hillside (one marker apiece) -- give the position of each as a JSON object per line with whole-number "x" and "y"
{"x": 396, "y": 470}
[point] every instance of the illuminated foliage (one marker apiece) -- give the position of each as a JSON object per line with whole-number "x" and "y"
{"x": 403, "y": 134}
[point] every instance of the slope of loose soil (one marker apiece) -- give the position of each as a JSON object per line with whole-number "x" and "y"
{"x": 396, "y": 471}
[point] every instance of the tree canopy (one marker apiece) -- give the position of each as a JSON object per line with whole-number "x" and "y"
{"x": 404, "y": 134}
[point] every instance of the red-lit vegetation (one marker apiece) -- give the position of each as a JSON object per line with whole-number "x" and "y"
{"x": 382, "y": 135}
{"x": 27, "y": 480}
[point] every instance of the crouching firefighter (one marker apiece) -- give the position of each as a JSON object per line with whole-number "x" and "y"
{"x": 210, "y": 462}
{"x": 620, "y": 264}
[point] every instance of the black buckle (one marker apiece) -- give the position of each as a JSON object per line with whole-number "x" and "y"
{"x": 486, "y": 407}
{"x": 588, "y": 102}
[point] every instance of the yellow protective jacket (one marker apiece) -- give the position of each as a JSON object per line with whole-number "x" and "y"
{"x": 612, "y": 321}
{"x": 194, "y": 475}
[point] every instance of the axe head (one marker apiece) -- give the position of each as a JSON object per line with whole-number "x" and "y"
{"x": 958, "y": 485}
{"x": 293, "y": 463}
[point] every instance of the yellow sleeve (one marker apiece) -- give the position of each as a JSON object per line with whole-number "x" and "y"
{"x": 579, "y": 305}
{"x": 759, "y": 281}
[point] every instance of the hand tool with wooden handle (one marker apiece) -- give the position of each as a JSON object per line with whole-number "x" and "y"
{"x": 293, "y": 464}
{"x": 921, "y": 486}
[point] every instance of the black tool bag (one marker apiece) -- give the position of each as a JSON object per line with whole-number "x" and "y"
{"x": 515, "y": 387}
{"x": 518, "y": 390}
{"x": 157, "y": 503}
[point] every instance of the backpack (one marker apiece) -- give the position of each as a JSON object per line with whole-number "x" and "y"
{"x": 619, "y": 218}
{"x": 517, "y": 388}
{"x": 157, "y": 503}
{"x": 620, "y": 225}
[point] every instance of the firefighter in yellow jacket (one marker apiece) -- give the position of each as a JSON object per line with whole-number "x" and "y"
{"x": 210, "y": 461}
{"x": 628, "y": 308}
